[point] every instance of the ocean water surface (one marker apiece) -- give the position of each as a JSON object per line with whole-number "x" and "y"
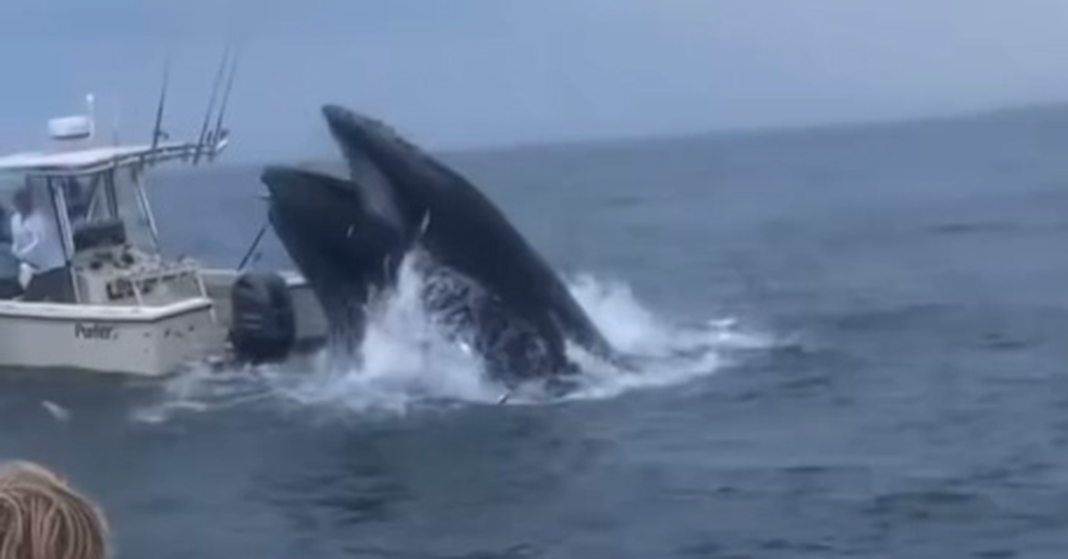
{"x": 854, "y": 342}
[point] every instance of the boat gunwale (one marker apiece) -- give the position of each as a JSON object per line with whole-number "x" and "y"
{"x": 57, "y": 312}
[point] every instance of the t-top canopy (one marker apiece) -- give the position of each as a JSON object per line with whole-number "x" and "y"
{"x": 96, "y": 159}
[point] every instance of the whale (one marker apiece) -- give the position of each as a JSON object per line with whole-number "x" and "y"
{"x": 350, "y": 255}
{"x": 482, "y": 279}
{"x": 465, "y": 230}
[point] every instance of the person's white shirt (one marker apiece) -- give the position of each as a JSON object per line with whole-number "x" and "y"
{"x": 36, "y": 242}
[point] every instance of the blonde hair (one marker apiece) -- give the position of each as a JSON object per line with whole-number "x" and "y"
{"x": 43, "y": 517}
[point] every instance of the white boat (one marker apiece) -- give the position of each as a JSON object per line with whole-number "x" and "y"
{"x": 134, "y": 311}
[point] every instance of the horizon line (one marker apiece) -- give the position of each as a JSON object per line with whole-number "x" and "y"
{"x": 602, "y": 141}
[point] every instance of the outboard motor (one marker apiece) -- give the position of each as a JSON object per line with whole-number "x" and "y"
{"x": 263, "y": 322}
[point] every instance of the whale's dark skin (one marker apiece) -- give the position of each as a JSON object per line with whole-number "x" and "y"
{"x": 349, "y": 251}
{"x": 465, "y": 231}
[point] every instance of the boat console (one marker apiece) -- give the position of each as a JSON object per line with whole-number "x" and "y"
{"x": 102, "y": 233}
{"x": 125, "y": 275}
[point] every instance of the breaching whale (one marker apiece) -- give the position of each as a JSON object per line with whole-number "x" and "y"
{"x": 350, "y": 254}
{"x": 465, "y": 229}
{"x": 347, "y": 237}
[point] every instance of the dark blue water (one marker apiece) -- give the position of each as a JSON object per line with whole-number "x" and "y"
{"x": 905, "y": 290}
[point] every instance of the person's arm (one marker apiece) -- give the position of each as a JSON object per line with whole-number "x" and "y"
{"x": 29, "y": 231}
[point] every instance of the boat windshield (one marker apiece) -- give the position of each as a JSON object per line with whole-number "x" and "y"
{"x": 133, "y": 211}
{"x": 102, "y": 208}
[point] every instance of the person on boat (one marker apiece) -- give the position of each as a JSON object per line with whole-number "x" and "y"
{"x": 43, "y": 517}
{"x": 37, "y": 243}
{"x": 9, "y": 263}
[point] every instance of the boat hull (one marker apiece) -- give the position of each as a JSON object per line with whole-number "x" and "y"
{"x": 142, "y": 341}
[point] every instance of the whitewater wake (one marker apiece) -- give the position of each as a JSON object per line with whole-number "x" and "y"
{"x": 409, "y": 362}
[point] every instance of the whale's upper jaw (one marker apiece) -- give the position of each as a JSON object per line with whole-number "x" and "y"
{"x": 338, "y": 118}
{"x": 352, "y": 129}
{"x": 357, "y": 133}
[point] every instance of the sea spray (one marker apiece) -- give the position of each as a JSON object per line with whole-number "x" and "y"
{"x": 408, "y": 361}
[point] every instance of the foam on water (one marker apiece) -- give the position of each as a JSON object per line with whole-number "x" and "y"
{"x": 666, "y": 354}
{"x": 408, "y": 362}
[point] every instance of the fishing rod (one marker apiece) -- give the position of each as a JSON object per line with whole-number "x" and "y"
{"x": 216, "y": 135}
{"x": 211, "y": 105}
{"x": 252, "y": 249}
{"x": 157, "y": 129}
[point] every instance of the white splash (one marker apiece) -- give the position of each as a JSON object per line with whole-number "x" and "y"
{"x": 58, "y": 412}
{"x": 666, "y": 354}
{"x": 408, "y": 362}
{"x": 405, "y": 360}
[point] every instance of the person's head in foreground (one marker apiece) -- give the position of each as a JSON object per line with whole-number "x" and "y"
{"x": 43, "y": 517}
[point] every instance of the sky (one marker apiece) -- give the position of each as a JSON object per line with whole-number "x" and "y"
{"x": 459, "y": 74}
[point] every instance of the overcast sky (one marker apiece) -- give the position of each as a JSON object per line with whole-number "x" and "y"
{"x": 460, "y": 73}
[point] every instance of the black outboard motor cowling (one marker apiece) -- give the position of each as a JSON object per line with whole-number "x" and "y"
{"x": 263, "y": 322}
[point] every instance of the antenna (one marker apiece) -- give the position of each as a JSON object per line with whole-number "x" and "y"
{"x": 92, "y": 115}
{"x": 115, "y": 121}
{"x": 211, "y": 105}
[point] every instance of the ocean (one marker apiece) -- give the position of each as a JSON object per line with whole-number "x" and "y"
{"x": 854, "y": 343}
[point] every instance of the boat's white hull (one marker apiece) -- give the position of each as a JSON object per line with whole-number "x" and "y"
{"x": 148, "y": 341}
{"x": 125, "y": 340}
